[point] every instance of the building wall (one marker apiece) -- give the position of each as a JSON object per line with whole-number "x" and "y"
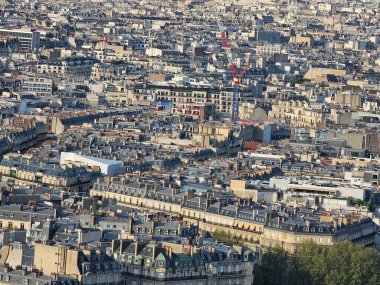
{"x": 11, "y": 222}
{"x": 193, "y": 213}
{"x": 219, "y": 219}
{"x": 352, "y": 100}
{"x": 38, "y": 86}
{"x": 297, "y": 114}
{"x": 55, "y": 259}
{"x": 14, "y": 257}
{"x": 46, "y": 258}
{"x": 354, "y": 139}
{"x": 306, "y": 40}
{"x": 221, "y": 98}
{"x": 289, "y": 241}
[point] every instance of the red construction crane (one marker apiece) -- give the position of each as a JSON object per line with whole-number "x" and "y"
{"x": 236, "y": 79}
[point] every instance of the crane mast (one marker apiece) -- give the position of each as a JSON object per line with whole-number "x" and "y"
{"x": 236, "y": 78}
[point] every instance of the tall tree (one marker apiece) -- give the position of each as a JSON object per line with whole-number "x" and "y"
{"x": 273, "y": 268}
{"x": 340, "y": 264}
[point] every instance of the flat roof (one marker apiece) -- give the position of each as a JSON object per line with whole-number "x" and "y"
{"x": 73, "y": 156}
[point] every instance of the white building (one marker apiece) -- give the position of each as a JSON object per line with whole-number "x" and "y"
{"x": 107, "y": 166}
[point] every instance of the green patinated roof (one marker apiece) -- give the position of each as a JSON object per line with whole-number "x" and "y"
{"x": 161, "y": 257}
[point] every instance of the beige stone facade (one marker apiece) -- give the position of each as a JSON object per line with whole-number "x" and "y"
{"x": 298, "y": 114}
{"x": 257, "y": 230}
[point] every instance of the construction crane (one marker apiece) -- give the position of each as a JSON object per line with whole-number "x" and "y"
{"x": 236, "y": 78}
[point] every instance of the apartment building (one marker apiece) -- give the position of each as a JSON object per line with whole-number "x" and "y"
{"x": 330, "y": 229}
{"x": 258, "y": 227}
{"x": 24, "y": 217}
{"x": 268, "y": 36}
{"x": 31, "y": 171}
{"x": 184, "y": 99}
{"x": 107, "y": 70}
{"x": 28, "y": 39}
{"x": 149, "y": 263}
{"x": 88, "y": 265}
{"x": 70, "y": 66}
{"x": 180, "y": 96}
{"x": 61, "y": 123}
{"x": 38, "y": 86}
{"x": 10, "y": 276}
{"x": 21, "y": 133}
{"x": 304, "y": 40}
{"x": 297, "y": 113}
{"x": 195, "y": 110}
{"x": 346, "y": 98}
{"x": 268, "y": 49}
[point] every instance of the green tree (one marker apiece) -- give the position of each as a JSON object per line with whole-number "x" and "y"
{"x": 227, "y": 238}
{"x": 310, "y": 258}
{"x": 352, "y": 265}
{"x": 364, "y": 267}
{"x": 340, "y": 264}
{"x": 274, "y": 267}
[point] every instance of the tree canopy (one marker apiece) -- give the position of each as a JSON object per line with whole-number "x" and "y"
{"x": 227, "y": 238}
{"x": 340, "y": 264}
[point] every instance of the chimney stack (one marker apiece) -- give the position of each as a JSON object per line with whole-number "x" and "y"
{"x": 136, "y": 248}
{"x": 335, "y": 224}
{"x": 308, "y": 224}
{"x": 154, "y": 252}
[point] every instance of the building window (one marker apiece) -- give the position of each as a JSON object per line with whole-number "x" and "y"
{"x": 10, "y": 225}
